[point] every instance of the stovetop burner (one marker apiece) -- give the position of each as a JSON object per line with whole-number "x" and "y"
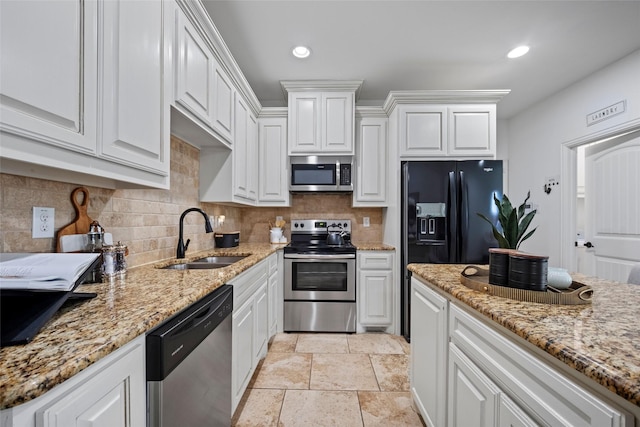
{"x": 310, "y": 237}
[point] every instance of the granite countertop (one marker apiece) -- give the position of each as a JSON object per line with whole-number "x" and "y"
{"x": 373, "y": 246}
{"x": 84, "y": 332}
{"x": 600, "y": 340}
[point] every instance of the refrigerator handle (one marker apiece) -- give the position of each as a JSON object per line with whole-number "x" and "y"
{"x": 452, "y": 206}
{"x": 464, "y": 215}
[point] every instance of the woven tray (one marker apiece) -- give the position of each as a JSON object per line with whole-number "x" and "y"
{"x": 477, "y": 278}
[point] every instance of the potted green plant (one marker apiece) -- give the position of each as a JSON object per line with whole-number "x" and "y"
{"x": 514, "y": 222}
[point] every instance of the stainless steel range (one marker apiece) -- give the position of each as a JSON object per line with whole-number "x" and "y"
{"x": 320, "y": 277}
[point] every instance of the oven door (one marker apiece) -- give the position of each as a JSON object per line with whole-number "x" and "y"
{"x": 320, "y": 277}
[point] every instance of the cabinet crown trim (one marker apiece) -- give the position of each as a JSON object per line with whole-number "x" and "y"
{"x": 443, "y": 97}
{"x": 321, "y": 85}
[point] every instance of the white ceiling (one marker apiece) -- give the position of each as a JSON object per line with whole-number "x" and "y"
{"x": 405, "y": 45}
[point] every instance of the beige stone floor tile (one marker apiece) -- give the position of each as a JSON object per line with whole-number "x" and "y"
{"x": 406, "y": 347}
{"x": 392, "y": 371}
{"x": 322, "y": 343}
{"x": 320, "y": 408}
{"x": 284, "y": 371}
{"x": 284, "y": 343}
{"x": 342, "y": 372}
{"x": 373, "y": 343}
{"x": 259, "y": 408}
{"x": 384, "y": 409}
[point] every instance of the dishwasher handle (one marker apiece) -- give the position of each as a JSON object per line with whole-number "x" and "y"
{"x": 172, "y": 341}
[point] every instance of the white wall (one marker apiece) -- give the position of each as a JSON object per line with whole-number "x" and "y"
{"x": 536, "y": 135}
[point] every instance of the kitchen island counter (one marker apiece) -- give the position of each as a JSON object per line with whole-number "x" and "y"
{"x": 600, "y": 340}
{"x": 82, "y": 333}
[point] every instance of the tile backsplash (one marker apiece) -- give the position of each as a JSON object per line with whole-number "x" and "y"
{"x": 147, "y": 220}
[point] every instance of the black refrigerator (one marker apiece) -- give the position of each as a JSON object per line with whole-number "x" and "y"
{"x": 440, "y": 202}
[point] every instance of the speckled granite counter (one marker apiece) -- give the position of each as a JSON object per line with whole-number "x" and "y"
{"x": 601, "y": 340}
{"x": 83, "y": 333}
{"x": 373, "y": 246}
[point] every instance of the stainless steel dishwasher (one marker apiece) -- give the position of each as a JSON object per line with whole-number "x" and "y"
{"x": 189, "y": 365}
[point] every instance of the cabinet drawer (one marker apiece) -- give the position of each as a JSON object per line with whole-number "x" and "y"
{"x": 247, "y": 283}
{"x": 375, "y": 260}
{"x": 544, "y": 393}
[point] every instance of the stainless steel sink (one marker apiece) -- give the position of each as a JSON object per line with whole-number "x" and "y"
{"x": 226, "y": 260}
{"x": 207, "y": 263}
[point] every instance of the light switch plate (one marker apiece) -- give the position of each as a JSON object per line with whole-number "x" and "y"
{"x": 365, "y": 221}
{"x": 43, "y": 222}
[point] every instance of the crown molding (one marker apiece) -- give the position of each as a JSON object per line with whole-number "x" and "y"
{"x": 371, "y": 111}
{"x": 321, "y": 85}
{"x": 278, "y": 112}
{"x": 443, "y": 96}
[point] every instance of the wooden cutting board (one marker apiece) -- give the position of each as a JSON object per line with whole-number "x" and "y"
{"x": 82, "y": 222}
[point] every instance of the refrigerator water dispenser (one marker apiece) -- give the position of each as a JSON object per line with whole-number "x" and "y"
{"x": 431, "y": 222}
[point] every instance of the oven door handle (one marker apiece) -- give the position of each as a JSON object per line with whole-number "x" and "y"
{"x": 319, "y": 256}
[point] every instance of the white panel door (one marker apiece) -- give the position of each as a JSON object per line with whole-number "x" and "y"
{"x": 612, "y": 200}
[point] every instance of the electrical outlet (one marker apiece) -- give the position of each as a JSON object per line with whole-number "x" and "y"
{"x": 278, "y": 218}
{"x": 366, "y": 222}
{"x": 43, "y": 222}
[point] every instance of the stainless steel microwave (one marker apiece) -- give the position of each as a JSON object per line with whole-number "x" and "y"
{"x": 321, "y": 174}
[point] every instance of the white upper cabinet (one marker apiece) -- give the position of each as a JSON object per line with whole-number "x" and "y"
{"x": 472, "y": 130}
{"x": 204, "y": 93}
{"x": 436, "y": 124}
{"x": 441, "y": 130}
{"x": 371, "y": 162}
{"x": 135, "y": 91}
{"x": 89, "y": 101}
{"x": 273, "y": 162}
{"x": 321, "y": 116}
{"x": 48, "y": 82}
{"x": 423, "y": 130}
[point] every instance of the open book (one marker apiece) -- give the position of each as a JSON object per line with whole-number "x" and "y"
{"x": 43, "y": 271}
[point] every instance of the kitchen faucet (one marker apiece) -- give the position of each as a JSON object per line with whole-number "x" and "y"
{"x": 182, "y": 247}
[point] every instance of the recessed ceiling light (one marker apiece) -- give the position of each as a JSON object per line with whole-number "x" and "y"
{"x": 518, "y": 52}
{"x": 301, "y": 51}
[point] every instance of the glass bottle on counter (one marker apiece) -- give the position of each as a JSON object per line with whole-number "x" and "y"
{"x": 120, "y": 260}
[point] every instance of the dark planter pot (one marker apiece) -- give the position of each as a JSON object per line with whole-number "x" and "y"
{"x": 528, "y": 271}
{"x": 499, "y": 266}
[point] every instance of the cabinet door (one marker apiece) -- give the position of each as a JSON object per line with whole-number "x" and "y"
{"x": 304, "y": 122}
{"x": 242, "y": 349}
{"x": 422, "y": 130}
{"x": 375, "y": 298}
{"x": 473, "y": 397}
{"x": 371, "y": 162}
{"x": 113, "y": 397}
{"x": 240, "y": 184}
{"x": 135, "y": 128}
{"x": 194, "y": 71}
{"x": 262, "y": 323}
{"x": 251, "y": 167}
{"x": 48, "y": 81}
{"x": 223, "y": 94}
{"x": 472, "y": 130}
{"x": 273, "y": 294}
{"x": 511, "y": 415}
{"x": 337, "y": 122}
{"x": 273, "y": 162}
{"x": 429, "y": 352}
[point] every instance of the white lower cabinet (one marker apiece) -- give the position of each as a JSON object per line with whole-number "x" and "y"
{"x": 274, "y": 294}
{"x": 112, "y": 392}
{"x": 375, "y": 288}
{"x": 429, "y": 353}
{"x": 492, "y": 380}
{"x": 472, "y": 395}
{"x": 250, "y": 325}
